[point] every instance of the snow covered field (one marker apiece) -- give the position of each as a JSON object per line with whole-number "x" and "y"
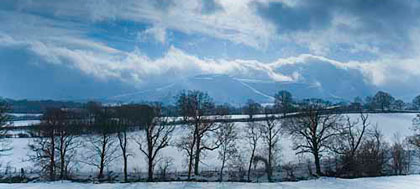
{"x": 395, "y": 182}
{"x": 389, "y": 124}
{"x": 23, "y": 123}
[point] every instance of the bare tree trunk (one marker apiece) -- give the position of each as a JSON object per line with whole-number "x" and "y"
{"x": 191, "y": 152}
{"x": 317, "y": 164}
{"x": 250, "y": 162}
{"x": 125, "y": 167}
{"x": 52, "y": 157}
{"x": 223, "y": 167}
{"x": 102, "y": 163}
{"x": 190, "y": 162}
{"x": 150, "y": 170}
{"x": 156, "y": 138}
{"x": 197, "y": 156}
{"x": 270, "y": 165}
{"x": 122, "y": 137}
{"x": 62, "y": 160}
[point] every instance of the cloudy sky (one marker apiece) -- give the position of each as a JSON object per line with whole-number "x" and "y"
{"x": 85, "y": 49}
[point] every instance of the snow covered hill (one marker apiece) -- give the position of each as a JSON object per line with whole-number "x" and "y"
{"x": 234, "y": 90}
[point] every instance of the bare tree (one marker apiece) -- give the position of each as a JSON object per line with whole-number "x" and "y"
{"x": 101, "y": 144}
{"x": 312, "y": 130}
{"x": 44, "y": 145}
{"x": 186, "y": 144}
{"x": 383, "y": 100}
{"x": 416, "y": 102}
{"x": 414, "y": 140}
{"x": 252, "y": 108}
{"x": 271, "y": 135}
{"x": 283, "y": 102}
{"x": 205, "y": 140}
{"x": 348, "y": 141}
{"x": 252, "y": 136}
{"x": 357, "y": 104}
{"x": 42, "y": 154}
{"x": 4, "y": 108}
{"x": 373, "y": 154}
{"x": 290, "y": 171}
{"x": 195, "y": 108}
{"x": 67, "y": 143}
{"x": 157, "y": 135}
{"x": 400, "y": 157}
{"x": 164, "y": 167}
{"x": 238, "y": 166}
{"x": 227, "y": 136}
{"x": 4, "y": 118}
{"x": 398, "y": 105}
{"x": 124, "y": 115}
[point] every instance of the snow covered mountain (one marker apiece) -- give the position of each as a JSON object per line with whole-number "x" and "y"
{"x": 312, "y": 78}
{"x": 225, "y": 88}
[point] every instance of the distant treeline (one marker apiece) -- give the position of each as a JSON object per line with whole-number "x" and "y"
{"x": 284, "y": 100}
{"x": 39, "y": 106}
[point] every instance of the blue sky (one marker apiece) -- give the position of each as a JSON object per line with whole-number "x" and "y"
{"x": 90, "y": 49}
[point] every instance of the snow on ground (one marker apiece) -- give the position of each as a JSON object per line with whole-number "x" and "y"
{"x": 25, "y": 123}
{"x": 394, "y": 182}
{"x": 17, "y": 158}
{"x": 24, "y": 114}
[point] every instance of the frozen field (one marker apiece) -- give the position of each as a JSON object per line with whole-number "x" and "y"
{"x": 395, "y": 182}
{"x": 17, "y": 158}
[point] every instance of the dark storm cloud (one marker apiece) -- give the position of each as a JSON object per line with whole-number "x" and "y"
{"x": 303, "y": 17}
{"x": 391, "y": 18}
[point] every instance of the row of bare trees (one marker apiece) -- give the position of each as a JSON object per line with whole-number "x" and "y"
{"x": 358, "y": 147}
{"x": 99, "y": 134}
{"x": 55, "y": 145}
{"x": 106, "y": 134}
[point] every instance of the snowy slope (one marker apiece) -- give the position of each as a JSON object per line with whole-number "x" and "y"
{"x": 221, "y": 88}
{"x": 234, "y": 90}
{"x": 395, "y": 182}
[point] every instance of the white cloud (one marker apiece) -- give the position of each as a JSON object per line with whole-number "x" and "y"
{"x": 134, "y": 67}
{"x": 236, "y": 22}
{"x": 65, "y": 42}
{"x": 156, "y": 32}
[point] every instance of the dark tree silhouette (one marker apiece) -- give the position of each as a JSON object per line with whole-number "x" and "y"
{"x": 347, "y": 143}
{"x": 4, "y": 108}
{"x": 126, "y": 115}
{"x": 312, "y": 131}
{"x": 4, "y": 118}
{"x": 101, "y": 143}
{"x": 227, "y": 136}
{"x": 156, "y": 137}
{"x": 270, "y": 133}
{"x": 194, "y": 107}
{"x": 373, "y": 154}
{"x": 383, "y": 100}
{"x": 252, "y": 108}
{"x": 252, "y": 132}
{"x": 55, "y": 143}
{"x": 398, "y": 105}
{"x": 416, "y": 102}
{"x": 283, "y": 102}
